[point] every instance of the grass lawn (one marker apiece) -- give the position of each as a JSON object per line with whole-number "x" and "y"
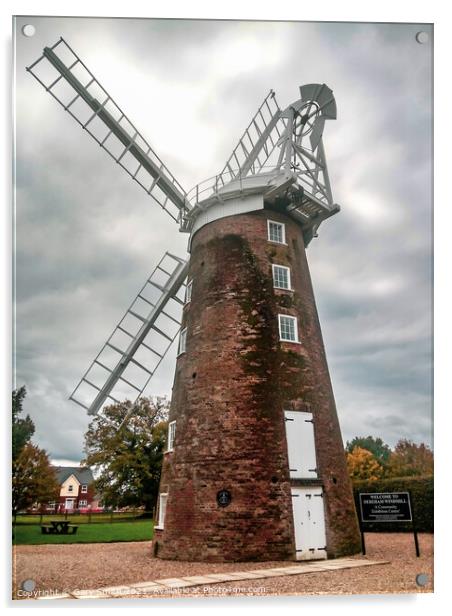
{"x": 77, "y": 518}
{"x": 141, "y": 530}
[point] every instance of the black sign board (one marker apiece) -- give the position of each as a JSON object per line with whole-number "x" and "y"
{"x": 385, "y": 507}
{"x": 224, "y": 498}
{"x": 379, "y": 507}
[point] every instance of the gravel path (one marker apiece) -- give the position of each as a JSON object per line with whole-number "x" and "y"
{"x": 88, "y": 566}
{"x": 397, "y": 577}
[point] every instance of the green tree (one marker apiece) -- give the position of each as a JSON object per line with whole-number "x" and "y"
{"x": 127, "y": 453}
{"x": 22, "y": 428}
{"x": 375, "y": 445}
{"x": 362, "y": 464}
{"x": 34, "y": 480}
{"x": 409, "y": 459}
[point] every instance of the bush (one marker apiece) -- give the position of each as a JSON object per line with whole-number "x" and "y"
{"x": 421, "y": 489}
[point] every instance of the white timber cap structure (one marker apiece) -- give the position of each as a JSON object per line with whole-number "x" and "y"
{"x": 239, "y": 197}
{"x": 249, "y": 194}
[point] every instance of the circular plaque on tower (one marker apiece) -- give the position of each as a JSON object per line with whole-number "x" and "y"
{"x": 224, "y": 498}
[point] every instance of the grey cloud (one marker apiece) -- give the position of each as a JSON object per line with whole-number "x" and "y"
{"x": 87, "y": 237}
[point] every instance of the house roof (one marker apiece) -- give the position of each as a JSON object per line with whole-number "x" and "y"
{"x": 83, "y": 474}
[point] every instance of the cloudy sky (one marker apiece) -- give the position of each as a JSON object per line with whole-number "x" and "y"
{"x": 87, "y": 236}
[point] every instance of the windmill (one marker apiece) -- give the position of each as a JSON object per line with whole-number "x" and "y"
{"x": 254, "y": 467}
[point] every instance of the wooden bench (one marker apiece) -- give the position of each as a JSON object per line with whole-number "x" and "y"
{"x": 59, "y": 528}
{"x": 47, "y": 529}
{"x": 73, "y": 529}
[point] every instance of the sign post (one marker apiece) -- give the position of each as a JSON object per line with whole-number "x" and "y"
{"x": 416, "y": 541}
{"x": 363, "y": 542}
{"x": 380, "y": 507}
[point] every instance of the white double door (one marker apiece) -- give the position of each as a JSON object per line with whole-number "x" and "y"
{"x": 309, "y": 523}
{"x": 69, "y": 504}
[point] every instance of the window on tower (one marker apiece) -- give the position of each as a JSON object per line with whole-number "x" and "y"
{"x": 281, "y": 277}
{"x": 162, "y": 509}
{"x": 288, "y": 328}
{"x": 171, "y": 435}
{"x": 276, "y": 232}
{"x": 182, "y": 341}
{"x": 188, "y": 290}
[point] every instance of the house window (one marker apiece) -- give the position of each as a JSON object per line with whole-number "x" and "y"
{"x": 171, "y": 435}
{"x": 182, "y": 341}
{"x": 162, "y": 509}
{"x": 70, "y": 488}
{"x": 288, "y": 330}
{"x": 276, "y": 232}
{"x": 84, "y": 489}
{"x": 281, "y": 277}
{"x": 51, "y": 505}
{"x": 188, "y": 290}
{"x": 82, "y": 503}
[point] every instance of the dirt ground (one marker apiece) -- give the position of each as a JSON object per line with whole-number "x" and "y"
{"x": 88, "y": 566}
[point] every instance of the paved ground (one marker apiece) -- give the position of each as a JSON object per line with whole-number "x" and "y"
{"x": 196, "y": 584}
{"x": 62, "y": 568}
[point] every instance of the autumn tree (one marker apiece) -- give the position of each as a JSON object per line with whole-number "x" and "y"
{"x": 34, "y": 479}
{"x": 409, "y": 459}
{"x": 362, "y": 464}
{"x": 22, "y": 427}
{"x": 126, "y": 452}
{"x": 375, "y": 445}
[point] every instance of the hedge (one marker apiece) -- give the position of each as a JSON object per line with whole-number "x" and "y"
{"x": 421, "y": 489}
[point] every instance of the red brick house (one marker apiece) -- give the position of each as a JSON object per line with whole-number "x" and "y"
{"x": 76, "y": 492}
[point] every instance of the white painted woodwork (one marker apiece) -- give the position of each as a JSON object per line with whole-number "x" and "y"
{"x": 300, "y": 445}
{"x": 309, "y": 523}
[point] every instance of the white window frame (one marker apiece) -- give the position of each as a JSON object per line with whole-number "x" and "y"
{"x": 161, "y": 522}
{"x": 288, "y": 316}
{"x": 70, "y": 488}
{"x": 171, "y": 435}
{"x": 84, "y": 489}
{"x": 51, "y": 505}
{"x": 182, "y": 342}
{"x": 188, "y": 292}
{"x": 283, "y": 231}
{"x": 83, "y": 503}
{"x": 283, "y": 267}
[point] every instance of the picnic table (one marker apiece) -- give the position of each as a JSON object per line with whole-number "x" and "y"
{"x": 59, "y": 527}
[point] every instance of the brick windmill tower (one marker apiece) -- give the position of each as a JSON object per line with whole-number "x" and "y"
{"x": 255, "y": 466}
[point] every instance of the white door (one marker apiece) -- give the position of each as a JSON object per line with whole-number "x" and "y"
{"x": 309, "y": 523}
{"x": 300, "y": 445}
{"x": 69, "y": 503}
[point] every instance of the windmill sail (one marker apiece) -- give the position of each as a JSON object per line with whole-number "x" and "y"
{"x": 132, "y": 354}
{"x": 63, "y": 74}
{"x": 254, "y": 151}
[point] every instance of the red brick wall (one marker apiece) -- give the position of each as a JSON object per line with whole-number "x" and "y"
{"x": 230, "y": 389}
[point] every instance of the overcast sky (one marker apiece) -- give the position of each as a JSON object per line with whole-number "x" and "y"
{"x": 87, "y": 236}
